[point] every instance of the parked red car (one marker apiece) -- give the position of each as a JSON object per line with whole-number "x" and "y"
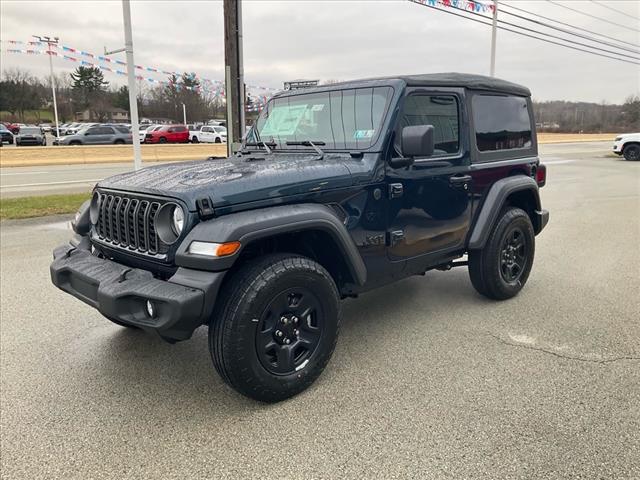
{"x": 12, "y": 127}
{"x": 168, "y": 134}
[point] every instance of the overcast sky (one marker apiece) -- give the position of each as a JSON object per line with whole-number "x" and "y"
{"x": 337, "y": 39}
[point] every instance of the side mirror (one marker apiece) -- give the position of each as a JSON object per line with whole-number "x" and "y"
{"x": 417, "y": 141}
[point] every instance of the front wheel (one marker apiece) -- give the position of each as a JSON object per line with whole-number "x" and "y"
{"x": 632, "y": 153}
{"x": 502, "y": 267}
{"x": 276, "y": 328}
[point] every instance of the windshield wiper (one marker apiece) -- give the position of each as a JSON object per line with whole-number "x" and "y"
{"x": 309, "y": 143}
{"x": 267, "y": 145}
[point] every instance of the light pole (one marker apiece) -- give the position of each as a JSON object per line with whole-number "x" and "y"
{"x": 131, "y": 74}
{"x": 494, "y": 28}
{"x": 184, "y": 113}
{"x": 131, "y": 82}
{"x": 51, "y": 41}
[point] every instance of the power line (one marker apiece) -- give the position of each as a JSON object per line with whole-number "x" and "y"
{"x": 593, "y": 16}
{"x": 555, "y": 36}
{"x": 604, "y": 5}
{"x": 525, "y": 34}
{"x": 587, "y": 37}
{"x": 571, "y": 26}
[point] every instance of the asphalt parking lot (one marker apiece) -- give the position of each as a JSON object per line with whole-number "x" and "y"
{"x": 429, "y": 380}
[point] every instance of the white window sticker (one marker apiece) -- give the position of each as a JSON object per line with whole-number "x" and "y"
{"x": 317, "y": 108}
{"x": 360, "y": 134}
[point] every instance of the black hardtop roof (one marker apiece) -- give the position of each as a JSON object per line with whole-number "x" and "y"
{"x": 451, "y": 79}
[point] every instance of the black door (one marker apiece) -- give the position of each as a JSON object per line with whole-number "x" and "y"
{"x": 430, "y": 201}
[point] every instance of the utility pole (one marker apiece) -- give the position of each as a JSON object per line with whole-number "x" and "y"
{"x": 234, "y": 74}
{"x": 51, "y": 41}
{"x": 494, "y": 28}
{"x": 131, "y": 74}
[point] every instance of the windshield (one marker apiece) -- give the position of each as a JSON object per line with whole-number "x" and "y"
{"x": 30, "y": 131}
{"x": 339, "y": 119}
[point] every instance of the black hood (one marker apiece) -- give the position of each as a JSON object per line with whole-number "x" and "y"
{"x": 238, "y": 179}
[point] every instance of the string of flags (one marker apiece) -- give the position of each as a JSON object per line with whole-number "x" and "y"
{"x": 469, "y": 5}
{"x": 83, "y": 58}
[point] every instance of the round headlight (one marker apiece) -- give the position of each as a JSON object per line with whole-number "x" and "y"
{"x": 177, "y": 220}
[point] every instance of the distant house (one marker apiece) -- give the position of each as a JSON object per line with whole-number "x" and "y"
{"x": 112, "y": 114}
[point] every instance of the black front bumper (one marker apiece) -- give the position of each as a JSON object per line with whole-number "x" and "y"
{"x": 181, "y": 304}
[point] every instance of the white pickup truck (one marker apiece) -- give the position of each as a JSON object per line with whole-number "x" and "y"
{"x": 208, "y": 134}
{"x": 628, "y": 145}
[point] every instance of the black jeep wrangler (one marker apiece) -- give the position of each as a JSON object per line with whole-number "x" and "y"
{"x": 337, "y": 190}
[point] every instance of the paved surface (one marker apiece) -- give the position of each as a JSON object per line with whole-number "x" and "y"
{"x": 429, "y": 380}
{"x": 23, "y": 181}
{"x": 51, "y": 179}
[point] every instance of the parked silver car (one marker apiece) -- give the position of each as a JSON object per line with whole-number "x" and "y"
{"x": 30, "y": 135}
{"x": 96, "y": 135}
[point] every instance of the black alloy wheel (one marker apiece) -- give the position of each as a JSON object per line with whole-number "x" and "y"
{"x": 501, "y": 268}
{"x": 275, "y": 326}
{"x": 289, "y": 331}
{"x": 513, "y": 255}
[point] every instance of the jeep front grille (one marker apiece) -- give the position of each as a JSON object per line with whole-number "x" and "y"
{"x": 129, "y": 222}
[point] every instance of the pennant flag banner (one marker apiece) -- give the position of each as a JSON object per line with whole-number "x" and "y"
{"x": 211, "y": 87}
{"x": 469, "y": 5}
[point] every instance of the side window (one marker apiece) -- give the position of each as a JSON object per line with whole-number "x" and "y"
{"x": 106, "y": 131}
{"x": 501, "y": 122}
{"x": 181, "y": 129}
{"x": 93, "y": 131}
{"x": 441, "y": 111}
{"x": 206, "y": 129}
{"x": 171, "y": 130}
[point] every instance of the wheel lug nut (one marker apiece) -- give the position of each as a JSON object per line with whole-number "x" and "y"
{"x": 284, "y": 321}
{"x": 287, "y": 341}
{"x": 278, "y": 333}
{"x": 295, "y": 332}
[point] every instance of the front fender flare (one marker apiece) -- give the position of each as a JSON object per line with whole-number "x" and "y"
{"x": 492, "y": 206}
{"x": 252, "y": 225}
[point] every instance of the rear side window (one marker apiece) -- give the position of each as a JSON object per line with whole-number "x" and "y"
{"x": 501, "y": 122}
{"x": 180, "y": 129}
{"x": 441, "y": 111}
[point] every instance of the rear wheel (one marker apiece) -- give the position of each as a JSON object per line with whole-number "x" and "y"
{"x": 502, "y": 267}
{"x": 632, "y": 152}
{"x": 195, "y": 139}
{"x": 74, "y": 142}
{"x": 119, "y": 142}
{"x": 275, "y": 330}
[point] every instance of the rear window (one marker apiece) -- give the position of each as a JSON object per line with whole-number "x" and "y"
{"x": 501, "y": 122}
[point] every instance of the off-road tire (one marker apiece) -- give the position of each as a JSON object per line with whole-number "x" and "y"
{"x": 631, "y": 152}
{"x": 234, "y": 327}
{"x": 485, "y": 264}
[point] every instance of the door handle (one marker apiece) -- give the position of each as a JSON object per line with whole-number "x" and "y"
{"x": 460, "y": 179}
